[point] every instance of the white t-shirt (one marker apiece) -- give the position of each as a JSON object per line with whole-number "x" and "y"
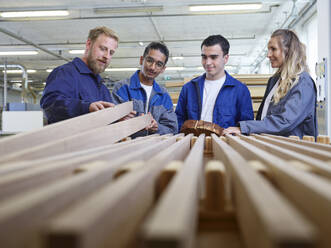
{"x": 210, "y": 93}
{"x": 148, "y": 90}
{"x": 268, "y": 100}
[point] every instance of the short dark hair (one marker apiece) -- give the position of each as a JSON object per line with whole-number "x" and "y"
{"x": 217, "y": 39}
{"x": 157, "y": 46}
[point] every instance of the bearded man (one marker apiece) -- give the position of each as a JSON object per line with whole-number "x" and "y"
{"x": 76, "y": 88}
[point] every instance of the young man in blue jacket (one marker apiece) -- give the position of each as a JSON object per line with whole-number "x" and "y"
{"x": 76, "y": 88}
{"x": 214, "y": 96}
{"x": 147, "y": 95}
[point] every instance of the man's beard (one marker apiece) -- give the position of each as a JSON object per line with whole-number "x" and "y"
{"x": 93, "y": 64}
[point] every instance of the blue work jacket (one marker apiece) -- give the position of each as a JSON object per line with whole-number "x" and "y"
{"x": 70, "y": 89}
{"x": 233, "y": 103}
{"x": 160, "y": 104}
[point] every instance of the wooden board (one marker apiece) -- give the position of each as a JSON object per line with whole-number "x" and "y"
{"x": 318, "y": 166}
{"x": 92, "y": 138}
{"x": 310, "y": 193}
{"x": 256, "y": 201}
{"x": 173, "y": 221}
{"x": 128, "y": 199}
{"x": 63, "y": 129}
{"x": 40, "y": 175}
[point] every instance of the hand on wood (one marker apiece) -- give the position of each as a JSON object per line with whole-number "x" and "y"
{"x": 95, "y": 106}
{"x": 231, "y": 130}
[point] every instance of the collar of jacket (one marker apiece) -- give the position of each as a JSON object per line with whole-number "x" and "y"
{"x": 83, "y": 69}
{"x": 229, "y": 80}
{"x": 135, "y": 83}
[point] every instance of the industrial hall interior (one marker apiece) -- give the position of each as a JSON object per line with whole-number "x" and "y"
{"x": 162, "y": 123}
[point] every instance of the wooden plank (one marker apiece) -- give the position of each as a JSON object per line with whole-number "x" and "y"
{"x": 260, "y": 208}
{"x": 128, "y": 199}
{"x": 63, "y": 129}
{"x": 319, "y": 146}
{"x": 89, "y": 139}
{"x": 176, "y": 228}
{"x": 40, "y": 175}
{"x": 307, "y": 151}
{"x": 215, "y": 191}
{"x": 25, "y": 213}
{"x": 320, "y": 167}
{"x": 13, "y": 167}
{"x": 310, "y": 193}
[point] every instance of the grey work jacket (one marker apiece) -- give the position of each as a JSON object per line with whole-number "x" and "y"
{"x": 294, "y": 114}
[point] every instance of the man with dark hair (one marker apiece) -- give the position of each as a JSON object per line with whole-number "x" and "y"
{"x": 147, "y": 95}
{"x": 214, "y": 96}
{"x": 76, "y": 88}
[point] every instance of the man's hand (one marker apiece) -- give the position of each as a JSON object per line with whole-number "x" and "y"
{"x": 153, "y": 126}
{"x": 95, "y": 106}
{"x": 132, "y": 114}
{"x": 231, "y": 130}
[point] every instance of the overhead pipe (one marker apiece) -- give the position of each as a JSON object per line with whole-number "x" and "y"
{"x": 24, "y": 78}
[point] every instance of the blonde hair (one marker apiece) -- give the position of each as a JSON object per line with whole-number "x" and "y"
{"x": 294, "y": 54}
{"x": 96, "y": 32}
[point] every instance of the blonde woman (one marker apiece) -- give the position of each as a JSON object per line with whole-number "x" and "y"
{"x": 289, "y": 103}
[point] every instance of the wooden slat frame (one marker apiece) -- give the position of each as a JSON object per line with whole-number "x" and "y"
{"x": 89, "y": 139}
{"x": 63, "y": 129}
{"x": 319, "y": 146}
{"x": 13, "y": 167}
{"x": 318, "y": 166}
{"x": 310, "y": 193}
{"x": 26, "y": 180}
{"x": 266, "y": 218}
{"x": 25, "y": 213}
{"x": 121, "y": 206}
{"x": 173, "y": 221}
{"x": 307, "y": 151}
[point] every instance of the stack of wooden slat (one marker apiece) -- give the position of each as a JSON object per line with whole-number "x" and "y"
{"x": 73, "y": 184}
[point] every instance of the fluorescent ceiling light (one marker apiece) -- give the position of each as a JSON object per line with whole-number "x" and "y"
{"x": 226, "y": 7}
{"x": 122, "y": 69}
{"x": 44, "y": 13}
{"x": 76, "y": 51}
{"x": 175, "y": 68}
{"x": 128, "y": 9}
{"x": 19, "y": 71}
{"x": 49, "y": 70}
{"x": 20, "y": 81}
{"x": 6, "y": 53}
{"x": 178, "y": 58}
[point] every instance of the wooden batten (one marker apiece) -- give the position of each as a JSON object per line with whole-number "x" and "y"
{"x": 40, "y": 175}
{"x": 128, "y": 199}
{"x": 318, "y": 166}
{"x": 255, "y": 201}
{"x": 92, "y": 138}
{"x": 323, "y": 147}
{"x": 307, "y": 151}
{"x": 63, "y": 129}
{"x": 310, "y": 193}
{"x": 174, "y": 219}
